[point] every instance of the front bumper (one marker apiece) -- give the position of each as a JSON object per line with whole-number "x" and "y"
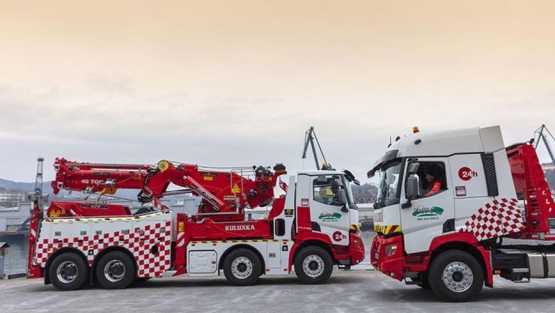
{"x": 387, "y": 256}
{"x": 356, "y": 247}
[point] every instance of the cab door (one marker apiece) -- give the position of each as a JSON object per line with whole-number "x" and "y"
{"x": 427, "y": 216}
{"x": 329, "y": 214}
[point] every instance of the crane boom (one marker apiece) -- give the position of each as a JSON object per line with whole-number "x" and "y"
{"x": 224, "y": 194}
{"x": 38, "y": 199}
{"x": 309, "y": 138}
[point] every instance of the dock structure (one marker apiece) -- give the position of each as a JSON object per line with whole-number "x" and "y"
{"x": 12, "y": 219}
{"x": 366, "y": 215}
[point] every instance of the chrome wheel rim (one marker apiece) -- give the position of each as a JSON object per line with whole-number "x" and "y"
{"x": 242, "y": 267}
{"x": 66, "y": 272}
{"x": 114, "y": 270}
{"x": 313, "y": 266}
{"x": 457, "y": 277}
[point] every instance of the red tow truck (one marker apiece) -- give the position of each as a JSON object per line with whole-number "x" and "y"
{"x": 312, "y": 226}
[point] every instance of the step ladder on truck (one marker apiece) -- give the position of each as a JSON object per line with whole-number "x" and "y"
{"x": 493, "y": 213}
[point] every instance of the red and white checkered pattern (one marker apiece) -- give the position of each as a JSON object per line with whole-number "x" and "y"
{"x": 497, "y": 218}
{"x": 138, "y": 241}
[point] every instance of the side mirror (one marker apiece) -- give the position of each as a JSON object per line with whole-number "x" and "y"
{"x": 413, "y": 187}
{"x": 413, "y": 167}
{"x": 342, "y": 199}
{"x": 412, "y": 190}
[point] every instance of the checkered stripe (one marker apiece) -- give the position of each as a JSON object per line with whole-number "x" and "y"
{"x": 140, "y": 242}
{"x": 496, "y": 218}
{"x": 149, "y": 264}
{"x": 238, "y": 241}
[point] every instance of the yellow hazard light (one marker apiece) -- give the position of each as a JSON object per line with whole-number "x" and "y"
{"x": 163, "y": 165}
{"x": 415, "y": 129}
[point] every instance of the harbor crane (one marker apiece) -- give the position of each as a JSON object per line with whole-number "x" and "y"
{"x": 541, "y": 135}
{"x": 309, "y": 138}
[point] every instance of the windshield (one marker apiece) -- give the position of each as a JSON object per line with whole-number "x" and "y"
{"x": 349, "y": 189}
{"x": 389, "y": 182}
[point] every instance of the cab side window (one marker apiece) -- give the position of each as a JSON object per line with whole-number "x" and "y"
{"x": 324, "y": 191}
{"x": 432, "y": 178}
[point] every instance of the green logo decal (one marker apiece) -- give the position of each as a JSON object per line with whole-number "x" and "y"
{"x": 425, "y": 213}
{"x": 329, "y": 217}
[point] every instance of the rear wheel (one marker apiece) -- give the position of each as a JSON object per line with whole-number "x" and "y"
{"x": 242, "y": 267}
{"x": 115, "y": 270}
{"x": 456, "y": 276}
{"x": 68, "y": 271}
{"x": 313, "y": 265}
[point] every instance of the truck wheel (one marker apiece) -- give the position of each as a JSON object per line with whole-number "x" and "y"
{"x": 456, "y": 276}
{"x": 242, "y": 267}
{"x": 68, "y": 271}
{"x": 115, "y": 270}
{"x": 313, "y": 265}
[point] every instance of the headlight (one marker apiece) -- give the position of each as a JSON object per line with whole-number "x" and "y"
{"x": 391, "y": 249}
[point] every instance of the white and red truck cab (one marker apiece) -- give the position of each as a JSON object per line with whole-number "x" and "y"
{"x": 492, "y": 215}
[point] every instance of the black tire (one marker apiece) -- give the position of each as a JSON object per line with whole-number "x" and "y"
{"x": 425, "y": 285}
{"x": 456, "y": 276}
{"x": 140, "y": 280}
{"x": 423, "y": 282}
{"x": 115, "y": 270}
{"x": 313, "y": 265}
{"x": 242, "y": 267}
{"x": 68, "y": 271}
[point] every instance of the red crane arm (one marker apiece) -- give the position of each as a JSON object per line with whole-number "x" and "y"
{"x": 223, "y": 192}
{"x": 97, "y": 177}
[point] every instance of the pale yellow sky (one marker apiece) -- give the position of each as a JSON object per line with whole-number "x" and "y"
{"x": 129, "y": 76}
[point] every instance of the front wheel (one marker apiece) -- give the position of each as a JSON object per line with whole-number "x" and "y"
{"x": 313, "y": 265}
{"x": 242, "y": 267}
{"x": 456, "y": 276}
{"x": 68, "y": 271}
{"x": 422, "y": 282}
{"x": 115, "y": 270}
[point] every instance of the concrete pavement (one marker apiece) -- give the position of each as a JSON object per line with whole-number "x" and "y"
{"x": 346, "y": 291}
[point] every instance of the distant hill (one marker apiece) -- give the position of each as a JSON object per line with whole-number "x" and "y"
{"x": 365, "y": 193}
{"x": 26, "y": 187}
{"x": 47, "y": 189}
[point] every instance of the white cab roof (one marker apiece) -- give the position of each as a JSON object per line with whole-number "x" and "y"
{"x": 469, "y": 140}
